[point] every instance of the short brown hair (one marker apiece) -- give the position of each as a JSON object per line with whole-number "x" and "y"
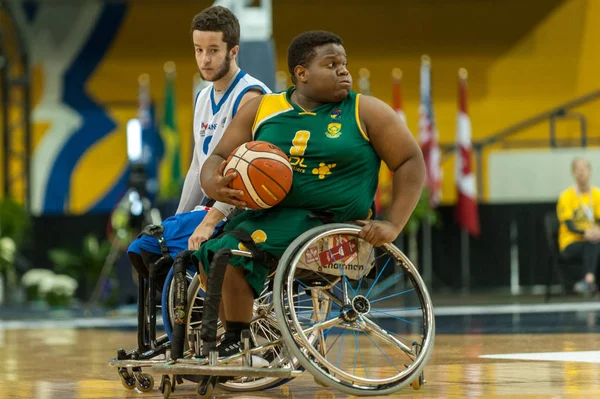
{"x": 218, "y": 19}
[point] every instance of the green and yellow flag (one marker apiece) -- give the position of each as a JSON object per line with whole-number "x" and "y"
{"x": 170, "y": 166}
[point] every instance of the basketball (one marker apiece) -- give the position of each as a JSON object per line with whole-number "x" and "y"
{"x": 264, "y": 174}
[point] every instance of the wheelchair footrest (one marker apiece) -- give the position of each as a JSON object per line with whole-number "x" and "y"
{"x": 224, "y": 371}
{"x": 134, "y": 363}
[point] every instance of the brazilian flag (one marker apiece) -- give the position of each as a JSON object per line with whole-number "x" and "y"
{"x": 170, "y": 166}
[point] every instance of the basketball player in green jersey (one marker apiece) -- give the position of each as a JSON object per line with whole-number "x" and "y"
{"x": 335, "y": 140}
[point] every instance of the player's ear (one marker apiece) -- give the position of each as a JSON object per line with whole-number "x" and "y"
{"x": 301, "y": 73}
{"x": 234, "y": 52}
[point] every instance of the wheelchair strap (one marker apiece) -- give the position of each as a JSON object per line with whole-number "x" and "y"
{"x": 258, "y": 255}
{"x": 326, "y": 217}
{"x": 156, "y": 231}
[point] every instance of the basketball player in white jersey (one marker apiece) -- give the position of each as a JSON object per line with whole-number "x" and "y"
{"x": 215, "y": 34}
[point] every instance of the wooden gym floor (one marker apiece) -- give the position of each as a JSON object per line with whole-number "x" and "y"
{"x": 550, "y": 352}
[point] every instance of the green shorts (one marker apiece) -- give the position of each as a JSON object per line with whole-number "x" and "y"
{"x": 273, "y": 230}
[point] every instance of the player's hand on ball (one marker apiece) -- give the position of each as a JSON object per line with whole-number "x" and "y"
{"x": 378, "y": 232}
{"x": 201, "y": 234}
{"x": 224, "y": 192}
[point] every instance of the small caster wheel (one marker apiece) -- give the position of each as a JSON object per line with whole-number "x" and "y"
{"x": 206, "y": 387}
{"x": 167, "y": 389}
{"x": 164, "y": 380}
{"x": 127, "y": 379}
{"x": 145, "y": 383}
{"x": 418, "y": 382}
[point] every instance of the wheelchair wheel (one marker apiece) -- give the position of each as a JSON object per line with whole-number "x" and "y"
{"x": 263, "y": 329}
{"x": 358, "y": 318}
{"x": 168, "y": 298}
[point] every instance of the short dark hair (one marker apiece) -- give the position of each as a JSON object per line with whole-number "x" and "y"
{"x": 302, "y": 48}
{"x": 218, "y": 19}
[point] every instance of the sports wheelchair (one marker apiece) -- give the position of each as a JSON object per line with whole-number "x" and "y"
{"x": 330, "y": 290}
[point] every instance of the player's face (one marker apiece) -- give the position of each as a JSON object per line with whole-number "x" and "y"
{"x": 212, "y": 57}
{"x": 582, "y": 172}
{"x": 328, "y": 77}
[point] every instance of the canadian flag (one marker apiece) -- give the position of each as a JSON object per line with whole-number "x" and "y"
{"x": 466, "y": 207}
{"x": 429, "y": 137}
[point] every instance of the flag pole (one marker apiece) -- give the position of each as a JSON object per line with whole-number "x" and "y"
{"x": 465, "y": 253}
{"x": 465, "y": 264}
{"x": 426, "y": 225}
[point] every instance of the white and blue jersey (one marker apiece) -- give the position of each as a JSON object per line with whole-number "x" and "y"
{"x": 213, "y": 112}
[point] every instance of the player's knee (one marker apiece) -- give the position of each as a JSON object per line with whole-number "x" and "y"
{"x": 135, "y": 246}
{"x": 138, "y": 264}
{"x": 149, "y": 257}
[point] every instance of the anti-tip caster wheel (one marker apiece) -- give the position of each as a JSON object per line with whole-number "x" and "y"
{"x": 167, "y": 389}
{"x": 206, "y": 387}
{"x": 145, "y": 383}
{"x": 166, "y": 386}
{"x": 127, "y": 379}
{"x": 418, "y": 382}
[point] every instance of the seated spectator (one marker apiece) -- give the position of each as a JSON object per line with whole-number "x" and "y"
{"x": 578, "y": 211}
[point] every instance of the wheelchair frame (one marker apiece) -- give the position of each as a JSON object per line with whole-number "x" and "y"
{"x": 207, "y": 364}
{"x": 148, "y": 344}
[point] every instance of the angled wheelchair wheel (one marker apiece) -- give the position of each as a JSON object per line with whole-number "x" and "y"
{"x": 167, "y": 299}
{"x": 263, "y": 328}
{"x": 358, "y": 318}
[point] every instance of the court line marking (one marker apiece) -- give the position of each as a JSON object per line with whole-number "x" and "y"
{"x": 501, "y": 309}
{"x": 103, "y": 322}
{"x": 92, "y": 322}
{"x": 580, "y": 357}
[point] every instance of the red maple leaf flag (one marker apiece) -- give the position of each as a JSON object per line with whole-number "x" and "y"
{"x": 466, "y": 211}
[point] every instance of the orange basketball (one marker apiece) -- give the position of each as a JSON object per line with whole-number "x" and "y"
{"x": 264, "y": 173}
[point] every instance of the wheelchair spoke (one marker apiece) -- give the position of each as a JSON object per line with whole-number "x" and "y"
{"x": 387, "y": 284}
{"x": 395, "y": 317}
{"x": 343, "y": 334}
{"x": 378, "y": 276}
{"x": 392, "y": 296}
{"x": 371, "y": 326}
{"x": 359, "y": 353}
{"x": 363, "y": 276}
{"x": 386, "y": 356}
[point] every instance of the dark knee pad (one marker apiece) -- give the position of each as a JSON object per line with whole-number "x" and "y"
{"x": 138, "y": 264}
{"x": 149, "y": 257}
{"x": 162, "y": 270}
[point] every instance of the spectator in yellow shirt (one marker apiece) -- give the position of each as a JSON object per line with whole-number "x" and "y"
{"x": 578, "y": 212}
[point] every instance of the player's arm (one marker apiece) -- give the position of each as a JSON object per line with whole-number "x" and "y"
{"x": 238, "y": 132}
{"x": 396, "y": 146}
{"x": 564, "y": 212}
{"x": 207, "y": 227}
{"x": 192, "y": 194}
{"x": 249, "y": 95}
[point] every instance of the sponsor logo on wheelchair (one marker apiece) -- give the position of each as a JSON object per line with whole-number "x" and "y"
{"x": 180, "y": 315}
{"x": 344, "y": 266}
{"x": 339, "y": 255}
